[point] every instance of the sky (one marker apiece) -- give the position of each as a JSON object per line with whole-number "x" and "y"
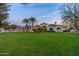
{"x": 43, "y": 12}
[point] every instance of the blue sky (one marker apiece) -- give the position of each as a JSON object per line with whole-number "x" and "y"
{"x": 44, "y": 12}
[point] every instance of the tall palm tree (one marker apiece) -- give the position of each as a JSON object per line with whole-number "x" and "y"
{"x": 32, "y": 19}
{"x": 26, "y": 21}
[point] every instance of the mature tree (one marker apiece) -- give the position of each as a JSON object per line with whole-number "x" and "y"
{"x": 13, "y": 26}
{"x": 32, "y": 19}
{"x": 43, "y": 24}
{"x": 3, "y": 12}
{"x": 70, "y": 15}
{"x": 26, "y": 21}
{"x": 6, "y": 25}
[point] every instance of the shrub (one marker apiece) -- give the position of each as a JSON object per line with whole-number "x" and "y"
{"x": 44, "y": 28}
{"x": 51, "y": 31}
{"x": 34, "y": 30}
{"x": 13, "y": 26}
{"x": 66, "y": 30}
{"x": 37, "y": 30}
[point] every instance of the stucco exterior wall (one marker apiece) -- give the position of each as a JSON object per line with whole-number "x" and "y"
{"x": 54, "y": 28}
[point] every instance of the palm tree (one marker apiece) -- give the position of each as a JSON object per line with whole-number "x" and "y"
{"x": 26, "y": 21}
{"x": 32, "y": 19}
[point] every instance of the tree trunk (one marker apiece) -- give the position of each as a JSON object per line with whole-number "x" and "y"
{"x": 77, "y": 28}
{"x": 76, "y": 24}
{"x": 0, "y": 23}
{"x": 26, "y": 27}
{"x": 32, "y": 25}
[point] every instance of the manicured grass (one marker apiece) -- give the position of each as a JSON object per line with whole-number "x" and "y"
{"x": 36, "y": 44}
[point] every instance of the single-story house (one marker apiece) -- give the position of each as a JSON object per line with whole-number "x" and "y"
{"x": 54, "y": 27}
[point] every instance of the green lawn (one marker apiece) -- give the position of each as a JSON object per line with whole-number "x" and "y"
{"x": 36, "y": 44}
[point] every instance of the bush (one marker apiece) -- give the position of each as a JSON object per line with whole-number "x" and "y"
{"x": 37, "y": 30}
{"x": 34, "y": 30}
{"x": 51, "y": 31}
{"x": 44, "y": 28}
{"x": 13, "y": 26}
{"x": 66, "y": 30}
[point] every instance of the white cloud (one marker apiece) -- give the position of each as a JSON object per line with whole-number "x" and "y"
{"x": 51, "y": 18}
{"x": 48, "y": 15}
